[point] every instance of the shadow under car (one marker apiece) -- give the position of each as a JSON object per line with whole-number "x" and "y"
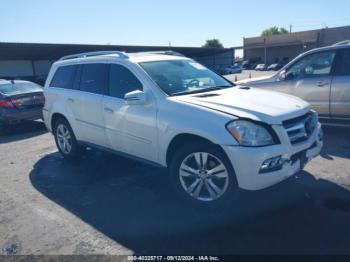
{"x": 134, "y": 205}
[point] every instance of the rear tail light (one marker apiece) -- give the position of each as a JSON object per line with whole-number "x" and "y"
{"x": 6, "y": 104}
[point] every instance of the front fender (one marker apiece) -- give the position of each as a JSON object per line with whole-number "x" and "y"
{"x": 191, "y": 120}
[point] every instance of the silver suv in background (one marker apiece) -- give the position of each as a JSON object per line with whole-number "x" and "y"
{"x": 321, "y": 77}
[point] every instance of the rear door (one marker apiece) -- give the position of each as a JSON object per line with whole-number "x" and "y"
{"x": 340, "y": 89}
{"x": 63, "y": 90}
{"x": 310, "y": 79}
{"x": 91, "y": 81}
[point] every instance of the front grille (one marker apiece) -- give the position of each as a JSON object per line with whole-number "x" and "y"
{"x": 300, "y": 128}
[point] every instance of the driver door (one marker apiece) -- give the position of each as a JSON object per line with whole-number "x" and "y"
{"x": 310, "y": 78}
{"x": 131, "y": 129}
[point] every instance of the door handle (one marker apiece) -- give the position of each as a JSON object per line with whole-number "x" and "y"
{"x": 321, "y": 83}
{"x": 108, "y": 110}
{"x": 70, "y": 100}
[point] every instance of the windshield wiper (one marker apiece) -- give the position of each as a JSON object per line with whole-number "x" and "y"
{"x": 212, "y": 88}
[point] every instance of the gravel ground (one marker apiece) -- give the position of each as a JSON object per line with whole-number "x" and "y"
{"x": 110, "y": 205}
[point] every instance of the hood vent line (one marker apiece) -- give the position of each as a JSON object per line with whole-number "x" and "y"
{"x": 206, "y": 95}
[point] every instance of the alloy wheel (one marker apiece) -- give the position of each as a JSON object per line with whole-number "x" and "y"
{"x": 64, "y": 139}
{"x": 203, "y": 176}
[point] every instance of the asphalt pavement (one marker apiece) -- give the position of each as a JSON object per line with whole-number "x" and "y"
{"x": 106, "y": 204}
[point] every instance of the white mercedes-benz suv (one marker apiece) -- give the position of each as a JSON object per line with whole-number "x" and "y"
{"x": 170, "y": 111}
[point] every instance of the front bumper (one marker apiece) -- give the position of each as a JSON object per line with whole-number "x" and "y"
{"x": 247, "y": 161}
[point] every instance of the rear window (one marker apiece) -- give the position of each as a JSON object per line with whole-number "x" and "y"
{"x": 64, "y": 77}
{"x": 19, "y": 88}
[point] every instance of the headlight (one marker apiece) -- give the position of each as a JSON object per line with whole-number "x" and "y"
{"x": 250, "y": 134}
{"x": 314, "y": 118}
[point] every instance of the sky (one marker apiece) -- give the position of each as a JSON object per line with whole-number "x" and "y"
{"x": 157, "y": 22}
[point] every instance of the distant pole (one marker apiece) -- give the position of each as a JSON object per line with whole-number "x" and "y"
{"x": 233, "y": 56}
{"x": 265, "y": 52}
{"x": 290, "y": 28}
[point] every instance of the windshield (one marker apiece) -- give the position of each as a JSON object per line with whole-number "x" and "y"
{"x": 19, "y": 88}
{"x": 177, "y": 77}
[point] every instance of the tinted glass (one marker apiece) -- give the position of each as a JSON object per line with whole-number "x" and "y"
{"x": 64, "y": 76}
{"x": 76, "y": 79}
{"x": 122, "y": 81}
{"x": 176, "y": 77}
{"x": 93, "y": 78}
{"x": 318, "y": 64}
{"x": 343, "y": 63}
{"x": 19, "y": 88}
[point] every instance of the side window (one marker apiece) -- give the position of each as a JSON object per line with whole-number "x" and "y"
{"x": 122, "y": 81}
{"x": 313, "y": 65}
{"x": 342, "y": 67}
{"x": 64, "y": 76}
{"x": 94, "y": 78}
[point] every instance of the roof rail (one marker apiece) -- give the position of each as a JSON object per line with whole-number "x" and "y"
{"x": 167, "y": 52}
{"x": 96, "y": 53}
{"x": 346, "y": 42}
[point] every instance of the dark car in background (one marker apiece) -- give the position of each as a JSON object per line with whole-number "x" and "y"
{"x": 246, "y": 65}
{"x": 251, "y": 64}
{"x": 274, "y": 67}
{"x": 232, "y": 69}
{"x": 19, "y": 101}
{"x": 38, "y": 79}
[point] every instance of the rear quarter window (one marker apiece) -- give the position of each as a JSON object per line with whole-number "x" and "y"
{"x": 64, "y": 77}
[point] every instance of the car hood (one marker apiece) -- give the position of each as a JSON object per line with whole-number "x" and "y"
{"x": 256, "y": 104}
{"x": 255, "y": 80}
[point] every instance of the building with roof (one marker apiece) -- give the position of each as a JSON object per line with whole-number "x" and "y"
{"x": 283, "y": 48}
{"x": 32, "y": 61}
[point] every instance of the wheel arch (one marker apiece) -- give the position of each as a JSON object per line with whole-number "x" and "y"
{"x": 55, "y": 117}
{"x": 182, "y": 138}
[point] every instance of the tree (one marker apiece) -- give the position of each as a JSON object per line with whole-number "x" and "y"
{"x": 274, "y": 31}
{"x": 213, "y": 43}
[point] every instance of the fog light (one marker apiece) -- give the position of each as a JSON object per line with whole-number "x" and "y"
{"x": 271, "y": 164}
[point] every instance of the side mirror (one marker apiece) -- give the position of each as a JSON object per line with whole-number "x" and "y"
{"x": 285, "y": 76}
{"x": 136, "y": 97}
{"x": 282, "y": 76}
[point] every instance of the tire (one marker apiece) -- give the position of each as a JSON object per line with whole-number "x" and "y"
{"x": 72, "y": 150}
{"x": 226, "y": 181}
